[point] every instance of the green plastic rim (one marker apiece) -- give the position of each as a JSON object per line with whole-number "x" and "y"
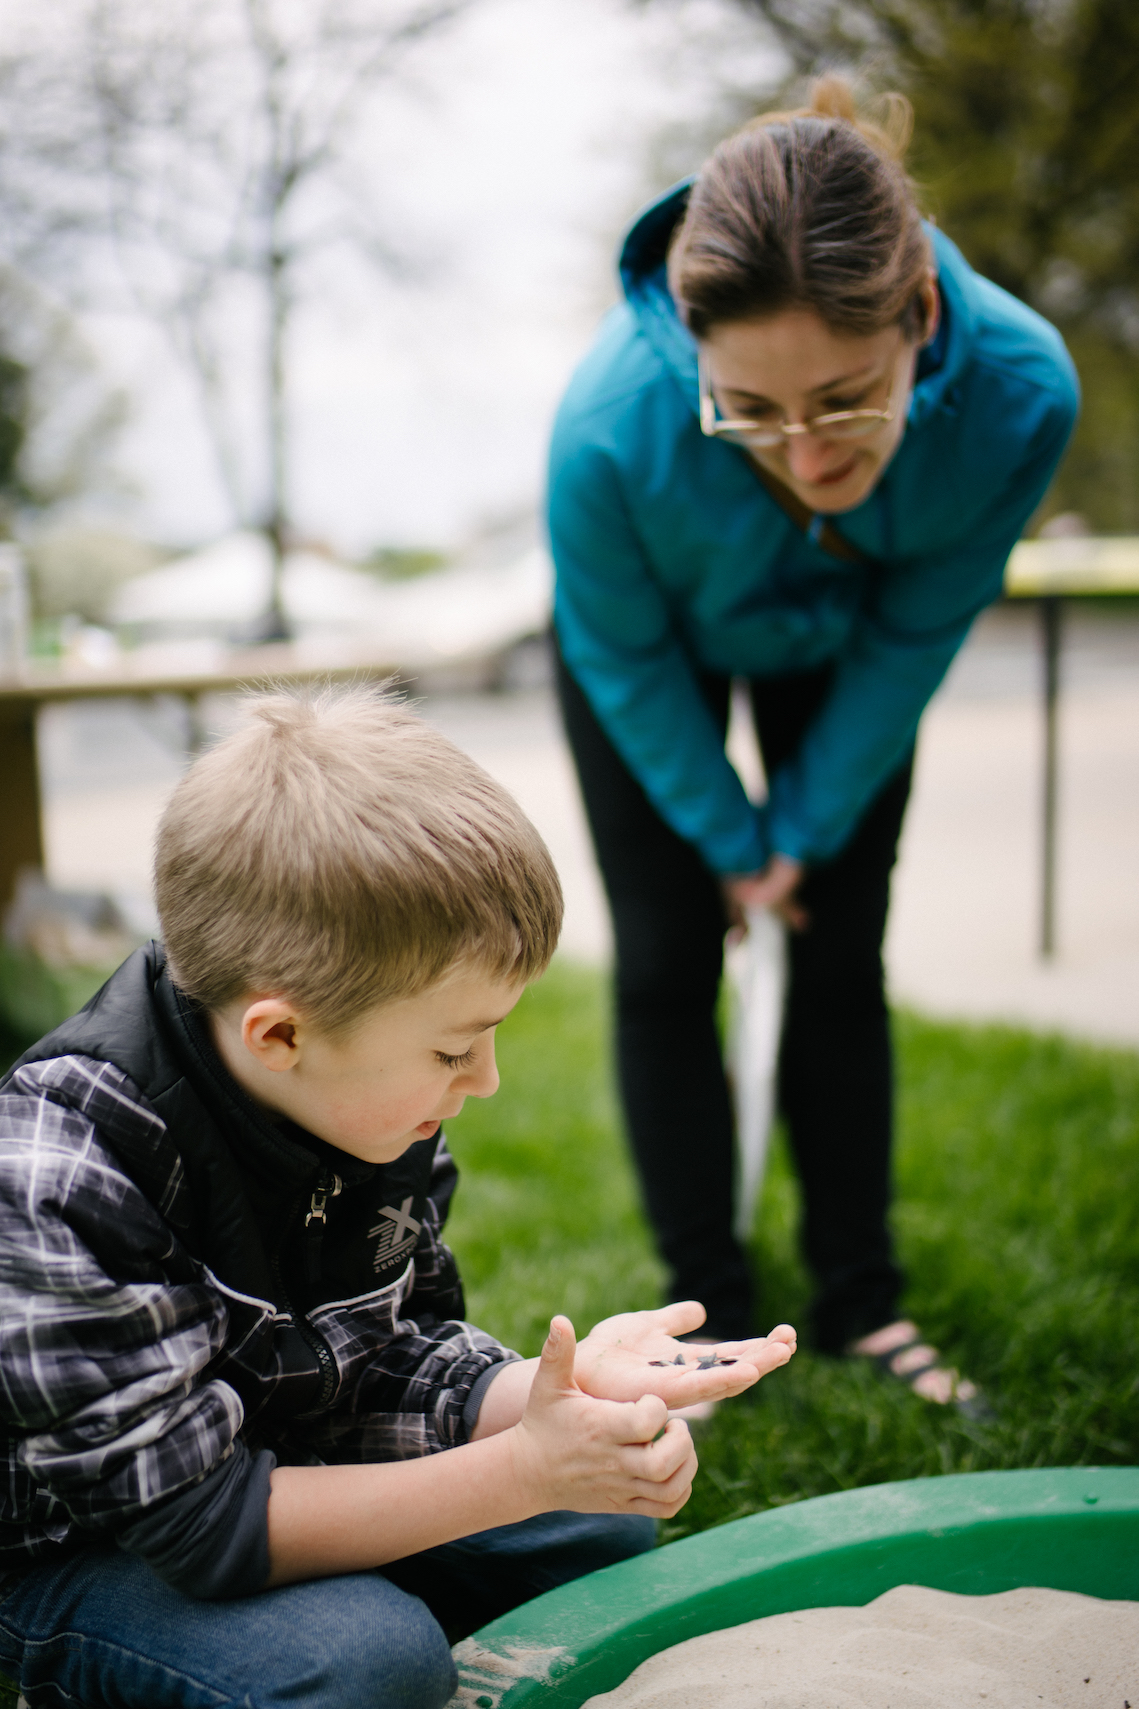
{"x": 975, "y": 1533}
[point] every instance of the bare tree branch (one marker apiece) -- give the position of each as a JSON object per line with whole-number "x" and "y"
{"x": 189, "y": 154}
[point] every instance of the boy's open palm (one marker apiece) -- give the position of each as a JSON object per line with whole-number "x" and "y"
{"x": 635, "y": 1354}
{"x": 595, "y": 1456}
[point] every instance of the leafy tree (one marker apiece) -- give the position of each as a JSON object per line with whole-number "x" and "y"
{"x": 1026, "y": 150}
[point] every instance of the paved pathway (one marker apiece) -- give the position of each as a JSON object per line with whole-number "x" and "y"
{"x": 965, "y": 918}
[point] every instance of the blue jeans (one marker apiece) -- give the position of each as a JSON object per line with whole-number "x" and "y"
{"x": 101, "y": 1631}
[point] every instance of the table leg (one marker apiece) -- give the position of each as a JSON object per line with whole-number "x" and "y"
{"x": 21, "y": 827}
{"x": 197, "y": 736}
{"x": 1051, "y": 612}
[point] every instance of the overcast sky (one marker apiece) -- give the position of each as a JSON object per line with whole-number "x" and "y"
{"x": 513, "y": 163}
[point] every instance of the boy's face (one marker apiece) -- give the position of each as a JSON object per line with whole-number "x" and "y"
{"x": 406, "y": 1067}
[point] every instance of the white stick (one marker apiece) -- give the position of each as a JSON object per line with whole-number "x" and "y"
{"x": 757, "y": 971}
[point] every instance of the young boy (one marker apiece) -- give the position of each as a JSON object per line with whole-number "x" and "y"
{"x": 232, "y": 1347}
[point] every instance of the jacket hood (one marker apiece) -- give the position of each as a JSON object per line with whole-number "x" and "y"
{"x": 643, "y": 268}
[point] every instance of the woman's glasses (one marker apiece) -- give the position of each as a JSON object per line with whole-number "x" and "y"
{"x": 841, "y": 424}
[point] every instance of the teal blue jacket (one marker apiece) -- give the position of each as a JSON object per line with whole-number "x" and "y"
{"x": 673, "y": 560}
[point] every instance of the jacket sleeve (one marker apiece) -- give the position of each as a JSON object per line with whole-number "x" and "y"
{"x": 620, "y": 644}
{"x": 913, "y": 621}
{"x": 107, "y": 1332}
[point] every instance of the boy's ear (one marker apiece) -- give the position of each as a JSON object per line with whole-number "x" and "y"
{"x": 271, "y": 1032}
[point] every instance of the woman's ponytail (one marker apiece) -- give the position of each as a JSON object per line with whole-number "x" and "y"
{"x": 833, "y": 98}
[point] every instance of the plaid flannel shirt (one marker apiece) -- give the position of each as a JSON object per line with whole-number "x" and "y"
{"x": 116, "y": 1343}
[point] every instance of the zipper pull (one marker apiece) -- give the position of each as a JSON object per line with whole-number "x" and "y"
{"x": 316, "y": 1221}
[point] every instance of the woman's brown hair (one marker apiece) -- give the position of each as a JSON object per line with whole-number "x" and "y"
{"x": 806, "y": 209}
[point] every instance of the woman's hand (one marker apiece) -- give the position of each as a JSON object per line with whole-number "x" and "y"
{"x": 573, "y": 1451}
{"x": 636, "y": 1354}
{"x": 772, "y": 888}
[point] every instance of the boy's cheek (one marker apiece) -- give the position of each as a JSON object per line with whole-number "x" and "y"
{"x": 380, "y": 1131}
{"x": 370, "y": 1146}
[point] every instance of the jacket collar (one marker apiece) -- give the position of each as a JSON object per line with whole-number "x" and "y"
{"x": 274, "y": 1148}
{"x": 142, "y": 1023}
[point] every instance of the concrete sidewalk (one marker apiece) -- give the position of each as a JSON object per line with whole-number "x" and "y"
{"x": 964, "y": 925}
{"x": 963, "y": 929}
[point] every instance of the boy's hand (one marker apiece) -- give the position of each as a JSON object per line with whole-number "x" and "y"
{"x": 635, "y": 1354}
{"x": 594, "y": 1456}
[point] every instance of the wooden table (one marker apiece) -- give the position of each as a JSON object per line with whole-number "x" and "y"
{"x": 1050, "y": 571}
{"x": 188, "y": 670}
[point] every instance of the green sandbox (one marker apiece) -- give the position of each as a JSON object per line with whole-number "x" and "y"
{"x": 975, "y": 1533}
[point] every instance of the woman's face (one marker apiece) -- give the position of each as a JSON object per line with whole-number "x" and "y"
{"x": 793, "y": 367}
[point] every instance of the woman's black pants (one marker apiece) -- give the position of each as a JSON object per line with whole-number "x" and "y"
{"x": 835, "y": 1069}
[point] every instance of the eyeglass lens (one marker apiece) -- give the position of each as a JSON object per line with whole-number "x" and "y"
{"x": 856, "y": 429}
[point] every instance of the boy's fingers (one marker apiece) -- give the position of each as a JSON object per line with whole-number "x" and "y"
{"x": 714, "y": 1384}
{"x": 656, "y": 1462}
{"x": 770, "y": 1356}
{"x": 555, "y": 1367}
{"x": 782, "y": 1336}
{"x": 674, "y": 1489}
{"x": 672, "y": 1448}
{"x": 642, "y": 1419}
{"x": 767, "y": 1352}
{"x": 668, "y": 1497}
{"x": 655, "y": 1509}
{"x": 681, "y": 1317}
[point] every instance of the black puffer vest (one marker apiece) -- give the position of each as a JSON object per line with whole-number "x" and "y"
{"x": 281, "y": 1219}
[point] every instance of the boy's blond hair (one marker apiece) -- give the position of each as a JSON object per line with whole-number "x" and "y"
{"x": 341, "y": 852}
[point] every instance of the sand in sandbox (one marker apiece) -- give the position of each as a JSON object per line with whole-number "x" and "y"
{"x": 911, "y": 1649}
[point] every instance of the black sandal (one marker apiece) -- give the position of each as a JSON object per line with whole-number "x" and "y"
{"x": 966, "y": 1398}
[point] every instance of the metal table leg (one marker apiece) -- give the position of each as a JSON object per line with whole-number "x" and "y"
{"x": 1051, "y": 612}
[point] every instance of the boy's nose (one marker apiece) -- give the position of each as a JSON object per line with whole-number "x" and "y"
{"x": 481, "y": 1080}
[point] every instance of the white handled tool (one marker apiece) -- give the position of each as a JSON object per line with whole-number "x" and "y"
{"x": 757, "y": 972}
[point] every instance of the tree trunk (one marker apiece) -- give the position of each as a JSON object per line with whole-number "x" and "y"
{"x": 275, "y": 624}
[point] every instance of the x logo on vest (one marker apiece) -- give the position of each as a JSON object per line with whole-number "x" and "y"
{"x": 395, "y": 1233}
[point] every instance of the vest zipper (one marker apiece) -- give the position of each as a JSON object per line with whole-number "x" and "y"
{"x": 327, "y": 1185}
{"x": 313, "y": 1339}
{"x": 316, "y": 1221}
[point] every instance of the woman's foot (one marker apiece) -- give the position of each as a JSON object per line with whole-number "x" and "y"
{"x": 899, "y": 1351}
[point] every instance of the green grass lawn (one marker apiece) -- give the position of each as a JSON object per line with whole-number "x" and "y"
{"x": 1017, "y": 1218}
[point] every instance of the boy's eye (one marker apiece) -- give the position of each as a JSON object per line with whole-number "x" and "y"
{"x": 463, "y": 1061}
